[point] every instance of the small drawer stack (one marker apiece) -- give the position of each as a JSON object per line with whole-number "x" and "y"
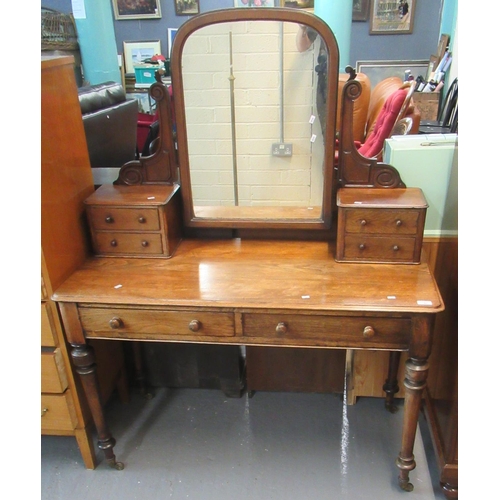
{"x": 380, "y": 225}
{"x": 134, "y": 221}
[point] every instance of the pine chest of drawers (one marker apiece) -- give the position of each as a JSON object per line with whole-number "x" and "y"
{"x": 380, "y": 225}
{"x": 134, "y": 221}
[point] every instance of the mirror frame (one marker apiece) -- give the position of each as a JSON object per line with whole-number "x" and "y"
{"x": 329, "y": 182}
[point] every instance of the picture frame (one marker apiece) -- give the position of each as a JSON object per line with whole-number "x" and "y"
{"x": 297, "y": 4}
{"x": 377, "y": 71}
{"x": 187, "y": 7}
{"x": 392, "y": 18}
{"x": 360, "y": 10}
{"x": 136, "y": 9}
{"x": 256, "y": 3}
{"x": 171, "y": 32}
{"x": 137, "y": 52}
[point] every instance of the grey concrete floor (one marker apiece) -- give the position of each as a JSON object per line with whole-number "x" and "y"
{"x": 200, "y": 444}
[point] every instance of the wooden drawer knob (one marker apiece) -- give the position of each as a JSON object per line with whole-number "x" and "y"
{"x": 399, "y": 222}
{"x": 144, "y": 243}
{"x": 281, "y": 328}
{"x": 362, "y": 246}
{"x": 115, "y": 323}
{"x": 142, "y": 220}
{"x": 363, "y": 222}
{"x": 195, "y": 325}
{"x": 44, "y": 411}
{"x": 113, "y": 243}
{"x": 368, "y": 332}
{"x": 109, "y": 219}
{"x": 395, "y": 248}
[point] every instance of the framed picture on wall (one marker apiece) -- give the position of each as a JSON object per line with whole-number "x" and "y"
{"x": 136, "y": 9}
{"x": 392, "y": 18}
{"x": 170, "y": 39}
{"x": 137, "y": 52}
{"x": 377, "y": 71}
{"x": 187, "y": 7}
{"x": 360, "y": 10}
{"x": 297, "y": 4}
{"x": 256, "y": 3}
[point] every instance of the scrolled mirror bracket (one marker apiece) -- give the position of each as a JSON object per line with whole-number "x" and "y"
{"x": 160, "y": 167}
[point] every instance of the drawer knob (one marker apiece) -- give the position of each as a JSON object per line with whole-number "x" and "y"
{"x": 109, "y": 219}
{"x": 144, "y": 243}
{"x": 113, "y": 243}
{"x": 195, "y": 325}
{"x": 44, "y": 411}
{"x": 368, "y": 332}
{"x": 395, "y": 248}
{"x": 399, "y": 222}
{"x": 142, "y": 220}
{"x": 115, "y": 323}
{"x": 363, "y": 222}
{"x": 281, "y": 328}
{"x": 362, "y": 246}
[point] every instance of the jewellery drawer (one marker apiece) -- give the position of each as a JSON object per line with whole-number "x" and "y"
{"x": 54, "y": 378}
{"x": 148, "y": 323}
{"x": 58, "y": 412}
{"x": 128, "y": 219}
{"x": 387, "y": 221}
{"x": 329, "y": 330}
{"x": 127, "y": 243}
{"x": 379, "y": 248}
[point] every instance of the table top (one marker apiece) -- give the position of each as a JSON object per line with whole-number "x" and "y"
{"x": 251, "y": 274}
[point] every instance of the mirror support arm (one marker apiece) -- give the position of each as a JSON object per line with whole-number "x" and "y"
{"x": 160, "y": 167}
{"x": 355, "y": 169}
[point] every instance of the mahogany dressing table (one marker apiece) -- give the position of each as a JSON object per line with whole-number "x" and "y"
{"x": 261, "y": 276}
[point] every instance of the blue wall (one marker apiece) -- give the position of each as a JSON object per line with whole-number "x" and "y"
{"x": 421, "y": 44}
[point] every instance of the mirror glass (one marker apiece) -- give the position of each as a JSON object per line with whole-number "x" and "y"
{"x": 254, "y": 142}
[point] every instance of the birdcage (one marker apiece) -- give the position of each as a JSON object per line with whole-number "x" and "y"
{"x": 58, "y": 31}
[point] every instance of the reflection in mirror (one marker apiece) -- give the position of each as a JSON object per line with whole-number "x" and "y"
{"x": 253, "y": 136}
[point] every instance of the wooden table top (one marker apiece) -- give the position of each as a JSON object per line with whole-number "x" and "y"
{"x": 252, "y": 274}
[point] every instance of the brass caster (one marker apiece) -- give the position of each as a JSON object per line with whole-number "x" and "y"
{"x": 392, "y": 408}
{"x": 406, "y": 486}
{"x": 116, "y": 465}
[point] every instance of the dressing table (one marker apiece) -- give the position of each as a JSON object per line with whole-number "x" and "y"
{"x": 246, "y": 271}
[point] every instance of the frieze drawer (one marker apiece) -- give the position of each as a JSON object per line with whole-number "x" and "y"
{"x": 153, "y": 324}
{"x": 329, "y": 330}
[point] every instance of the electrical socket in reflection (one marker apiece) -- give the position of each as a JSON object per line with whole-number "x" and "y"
{"x": 282, "y": 149}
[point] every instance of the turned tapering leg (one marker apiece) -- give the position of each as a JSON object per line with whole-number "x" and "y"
{"x": 84, "y": 361}
{"x": 415, "y": 381}
{"x": 391, "y": 384}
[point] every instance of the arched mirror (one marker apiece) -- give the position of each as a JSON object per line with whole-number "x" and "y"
{"x": 248, "y": 102}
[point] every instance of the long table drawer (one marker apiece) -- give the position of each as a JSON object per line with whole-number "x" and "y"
{"x": 102, "y": 321}
{"x": 334, "y": 330}
{"x": 58, "y": 412}
{"x": 54, "y": 378}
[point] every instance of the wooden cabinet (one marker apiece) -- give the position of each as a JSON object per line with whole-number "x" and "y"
{"x": 380, "y": 225}
{"x": 66, "y": 180}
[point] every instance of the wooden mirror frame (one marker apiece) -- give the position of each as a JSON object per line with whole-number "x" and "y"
{"x": 270, "y": 14}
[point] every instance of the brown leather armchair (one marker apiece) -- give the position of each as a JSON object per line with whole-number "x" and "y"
{"x": 110, "y": 123}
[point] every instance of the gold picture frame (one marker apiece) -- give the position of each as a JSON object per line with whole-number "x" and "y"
{"x": 136, "y": 9}
{"x": 392, "y": 18}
